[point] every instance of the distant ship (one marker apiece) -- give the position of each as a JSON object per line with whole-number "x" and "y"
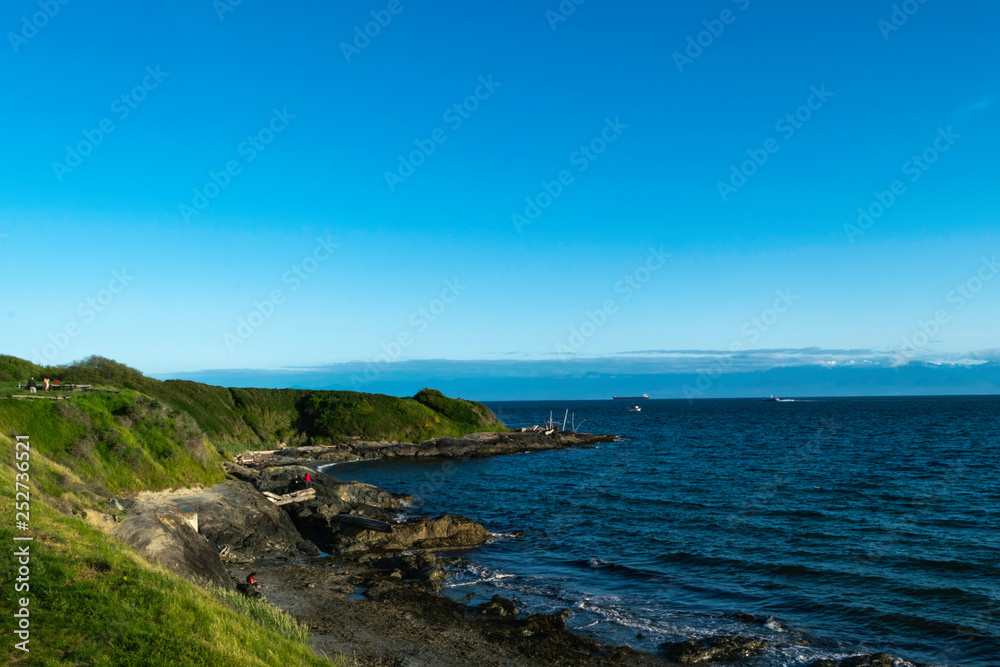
{"x": 631, "y": 398}
{"x": 634, "y": 408}
{"x": 775, "y": 399}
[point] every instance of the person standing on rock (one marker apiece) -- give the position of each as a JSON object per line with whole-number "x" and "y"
{"x": 32, "y": 385}
{"x": 308, "y": 480}
{"x": 46, "y": 384}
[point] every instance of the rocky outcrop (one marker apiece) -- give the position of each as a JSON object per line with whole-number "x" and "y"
{"x": 474, "y": 445}
{"x": 164, "y": 535}
{"x": 420, "y": 566}
{"x": 545, "y": 624}
{"x": 329, "y": 490}
{"x": 319, "y": 518}
{"x": 497, "y": 606}
{"x": 713, "y": 649}
{"x": 448, "y": 531}
{"x": 234, "y": 515}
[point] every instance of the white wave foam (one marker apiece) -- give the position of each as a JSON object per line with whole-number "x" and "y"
{"x": 325, "y": 466}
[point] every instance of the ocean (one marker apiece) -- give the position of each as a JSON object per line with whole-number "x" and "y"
{"x": 830, "y": 526}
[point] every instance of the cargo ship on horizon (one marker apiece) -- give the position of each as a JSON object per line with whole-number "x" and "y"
{"x": 644, "y": 397}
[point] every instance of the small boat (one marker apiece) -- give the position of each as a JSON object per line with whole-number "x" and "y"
{"x": 775, "y": 399}
{"x": 634, "y": 408}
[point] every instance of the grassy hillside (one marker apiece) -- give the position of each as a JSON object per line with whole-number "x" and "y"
{"x": 93, "y": 600}
{"x": 113, "y": 443}
{"x": 239, "y": 419}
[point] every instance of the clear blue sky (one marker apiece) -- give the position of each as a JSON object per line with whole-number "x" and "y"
{"x": 190, "y": 274}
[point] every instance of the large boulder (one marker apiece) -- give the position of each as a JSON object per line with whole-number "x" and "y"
{"x": 448, "y": 531}
{"x": 236, "y": 515}
{"x": 713, "y": 649}
{"x": 166, "y": 536}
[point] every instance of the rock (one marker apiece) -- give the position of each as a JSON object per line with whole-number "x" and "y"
{"x": 622, "y": 653}
{"x": 876, "y": 660}
{"x": 868, "y": 660}
{"x": 497, "y": 606}
{"x": 714, "y": 649}
{"x": 444, "y": 532}
{"x": 234, "y": 514}
{"x": 473, "y": 445}
{"x": 543, "y": 624}
{"x": 163, "y": 535}
{"x": 241, "y": 473}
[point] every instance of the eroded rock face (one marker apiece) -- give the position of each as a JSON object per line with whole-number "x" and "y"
{"x": 236, "y": 515}
{"x": 713, "y": 649}
{"x": 443, "y": 532}
{"x": 164, "y": 535}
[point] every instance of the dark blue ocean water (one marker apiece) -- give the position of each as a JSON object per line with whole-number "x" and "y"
{"x": 830, "y": 526}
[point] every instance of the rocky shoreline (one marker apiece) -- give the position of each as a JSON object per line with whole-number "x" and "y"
{"x": 374, "y": 594}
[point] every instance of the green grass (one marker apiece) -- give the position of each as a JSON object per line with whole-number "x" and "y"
{"x": 264, "y": 614}
{"x": 237, "y": 419}
{"x": 115, "y": 442}
{"x": 335, "y": 416}
{"x": 93, "y": 601}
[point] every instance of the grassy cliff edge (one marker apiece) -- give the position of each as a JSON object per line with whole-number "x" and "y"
{"x": 92, "y": 599}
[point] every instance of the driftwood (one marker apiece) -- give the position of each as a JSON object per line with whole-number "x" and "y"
{"x": 297, "y": 497}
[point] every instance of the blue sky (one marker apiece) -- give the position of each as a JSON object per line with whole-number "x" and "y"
{"x": 638, "y": 248}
